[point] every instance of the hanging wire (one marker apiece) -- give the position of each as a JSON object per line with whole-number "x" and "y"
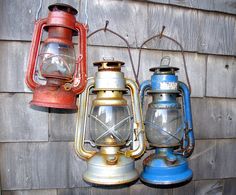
{"x": 105, "y": 29}
{"x": 160, "y": 36}
{"x": 38, "y": 10}
{"x": 86, "y": 12}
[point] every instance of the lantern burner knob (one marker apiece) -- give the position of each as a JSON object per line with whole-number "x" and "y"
{"x": 63, "y": 7}
{"x": 109, "y": 65}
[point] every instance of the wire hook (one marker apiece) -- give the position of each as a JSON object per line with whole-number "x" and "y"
{"x": 162, "y": 31}
{"x": 105, "y": 29}
{"x": 106, "y": 25}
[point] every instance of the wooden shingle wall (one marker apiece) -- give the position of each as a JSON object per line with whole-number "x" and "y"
{"x": 36, "y": 144}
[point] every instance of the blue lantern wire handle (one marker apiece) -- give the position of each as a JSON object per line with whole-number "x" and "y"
{"x": 105, "y": 29}
{"x": 160, "y": 36}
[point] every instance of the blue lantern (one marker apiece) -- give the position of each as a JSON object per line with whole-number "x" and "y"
{"x": 168, "y": 127}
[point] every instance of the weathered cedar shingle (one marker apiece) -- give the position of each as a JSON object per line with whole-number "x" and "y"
{"x": 21, "y": 122}
{"x": 40, "y": 166}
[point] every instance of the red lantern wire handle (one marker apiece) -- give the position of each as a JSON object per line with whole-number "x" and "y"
{"x": 81, "y": 59}
{"x": 34, "y": 52}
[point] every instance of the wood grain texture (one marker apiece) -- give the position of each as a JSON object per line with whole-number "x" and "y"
{"x": 209, "y": 158}
{"x": 55, "y": 165}
{"x": 184, "y": 190}
{"x": 224, "y": 6}
{"x": 221, "y": 76}
{"x": 136, "y": 21}
{"x": 40, "y": 166}
{"x": 20, "y": 122}
{"x": 125, "y": 17}
{"x": 209, "y": 187}
{"x": 74, "y": 191}
{"x": 228, "y": 6}
{"x": 31, "y": 192}
{"x": 214, "y": 118}
{"x": 13, "y": 65}
{"x": 195, "y": 30}
{"x": 110, "y": 190}
{"x": 18, "y": 25}
{"x": 62, "y": 124}
{"x": 180, "y": 24}
{"x": 229, "y": 186}
{"x": 143, "y": 189}
{"x": 216, "y": 33}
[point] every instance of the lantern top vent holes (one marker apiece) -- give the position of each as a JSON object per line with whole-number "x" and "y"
{"x": 109, "y": 65}
{"x": 164, "y": 67}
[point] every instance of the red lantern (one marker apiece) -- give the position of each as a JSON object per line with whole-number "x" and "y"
{"x": 54, "y": 73}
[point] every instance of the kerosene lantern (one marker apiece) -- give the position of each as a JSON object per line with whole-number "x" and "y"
{"x": 54, "y": 73}
{"x": 168, "y": 127}
{"x": 115, "y": 130}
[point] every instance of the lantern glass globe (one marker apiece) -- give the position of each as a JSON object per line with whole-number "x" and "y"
{"x": 110, "y": 125}
{"x": 57, "y": 60}
{"x": 164, "y": 127}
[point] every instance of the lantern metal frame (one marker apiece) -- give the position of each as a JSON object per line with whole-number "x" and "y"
{"x": 102, "y": 168}
{"x": 169, "y": 165}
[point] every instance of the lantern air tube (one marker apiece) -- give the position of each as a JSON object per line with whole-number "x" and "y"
{"x": 143, "y": 87}
{"x": 188, "y": 117}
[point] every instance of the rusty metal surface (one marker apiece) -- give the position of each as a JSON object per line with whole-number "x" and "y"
{"x": 54, "y": 97}
{"x": 58, "y": 19}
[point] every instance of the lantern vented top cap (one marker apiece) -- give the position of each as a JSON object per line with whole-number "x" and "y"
{"x": 63, "y": 7}
{"x": 109, "y": 65}
{"x": 164, "y": 67}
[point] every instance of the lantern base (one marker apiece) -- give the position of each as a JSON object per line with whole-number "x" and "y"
{"x": 54, "y": 97}
{"x": 101, "y": 172}
{"x": 165, "y": 168}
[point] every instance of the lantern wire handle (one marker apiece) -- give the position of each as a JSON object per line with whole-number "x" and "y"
{"x": 165, "y": 61}
{"x": 86, "y": 12}
{"x": 160, "y": 36}
{"x": 105, "y": 29}
{"x": 38, "y": 10}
